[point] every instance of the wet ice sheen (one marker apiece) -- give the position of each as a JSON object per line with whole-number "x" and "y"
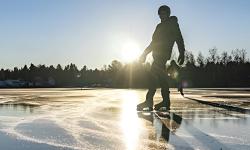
{"x": 107, "y": 119}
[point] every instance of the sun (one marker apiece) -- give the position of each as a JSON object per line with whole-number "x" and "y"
{"x": 130, "y": 51}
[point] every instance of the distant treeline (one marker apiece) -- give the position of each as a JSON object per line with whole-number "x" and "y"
{"x": 224, "y": 70}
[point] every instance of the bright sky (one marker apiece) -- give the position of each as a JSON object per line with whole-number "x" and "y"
{"x": 93, "y": 32}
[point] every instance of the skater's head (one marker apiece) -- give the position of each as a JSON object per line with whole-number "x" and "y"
{"x": 164, "y": 13}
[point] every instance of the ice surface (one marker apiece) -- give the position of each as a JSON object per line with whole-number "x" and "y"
{"x": 107, "y": 119}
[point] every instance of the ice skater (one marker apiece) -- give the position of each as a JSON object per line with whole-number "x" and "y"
{"x": 165, "y": 35}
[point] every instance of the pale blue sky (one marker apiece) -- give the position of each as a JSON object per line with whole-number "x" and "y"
{"x": 91, "y": 32}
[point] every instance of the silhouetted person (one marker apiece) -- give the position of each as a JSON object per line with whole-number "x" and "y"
{"x": 174, "y": 70}
{"x": 165, "y": 35}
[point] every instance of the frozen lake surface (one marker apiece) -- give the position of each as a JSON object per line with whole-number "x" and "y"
{"x": 107, "y": 119}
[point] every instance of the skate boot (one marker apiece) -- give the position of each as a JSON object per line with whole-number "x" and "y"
{"x": 145, "y": 106}
{"x": 162, "y": 106}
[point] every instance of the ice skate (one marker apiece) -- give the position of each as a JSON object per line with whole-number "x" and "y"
{"x": 145, "y": 106}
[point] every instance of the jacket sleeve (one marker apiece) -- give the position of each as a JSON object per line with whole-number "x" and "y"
{"x": 178, "y": 36}
{"x": 152, "y": 43}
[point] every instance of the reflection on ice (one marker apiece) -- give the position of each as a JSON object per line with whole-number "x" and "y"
{"x": 17, "y": 109}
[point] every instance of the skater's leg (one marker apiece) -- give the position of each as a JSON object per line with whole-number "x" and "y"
{"x": 150, "y": 94}
{"x": 165, "y": 95}
{"x": 152, "y": 84}
{"x": 153, "y": 80}
{"x": 149, "y": 100}
{"x": 163, "y": 78}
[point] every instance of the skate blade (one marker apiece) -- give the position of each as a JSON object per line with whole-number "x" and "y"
{"x": 145, "y": 109}
{"x": 163, "y": 109}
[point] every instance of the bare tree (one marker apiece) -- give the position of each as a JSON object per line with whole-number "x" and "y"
{"x": 225, "y": 58}
{"x": 213, "y": 56}
{"x": 200, "y": 60}
{"x": 189, "y": 58}
{"x": 243, "y": 54}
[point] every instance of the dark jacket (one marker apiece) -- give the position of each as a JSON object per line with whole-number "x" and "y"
{"x": 164, "y": 37}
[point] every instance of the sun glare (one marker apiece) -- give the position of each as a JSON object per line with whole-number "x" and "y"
{"x": 130, "y": 51}
{"x": 130, "y": 123}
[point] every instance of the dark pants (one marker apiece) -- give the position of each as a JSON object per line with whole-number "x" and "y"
{"x": 158, "y": 76}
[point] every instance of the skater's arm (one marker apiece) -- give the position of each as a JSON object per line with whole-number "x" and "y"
{"x": 179, "y": 41}
{"x": 143, "y": 57}
{"x": 178, "y": 36}
{"x": 151, "y": 45}
{"x": 149, "y": 48}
